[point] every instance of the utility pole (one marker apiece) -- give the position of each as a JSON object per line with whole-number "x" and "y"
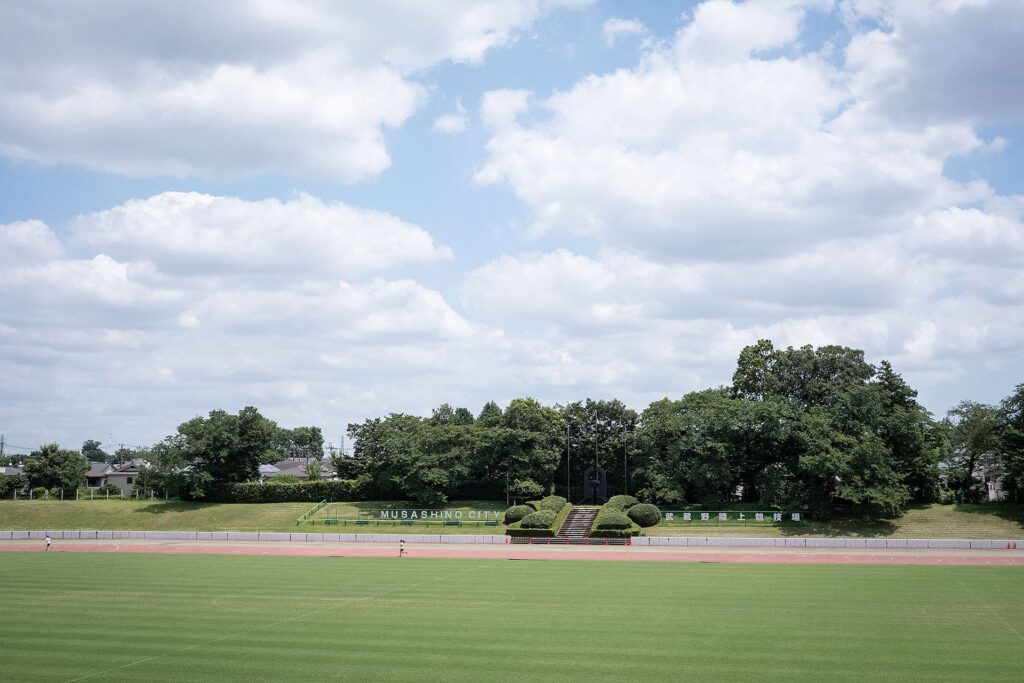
{"x": 2, "y": 449}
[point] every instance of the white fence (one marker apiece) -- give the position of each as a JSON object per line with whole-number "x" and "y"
{"x": 250, "y": 536}
{"x": 851, "y": 543}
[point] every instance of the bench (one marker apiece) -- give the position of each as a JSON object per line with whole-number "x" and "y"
{"x": 330, "y": 521}
{"x": 491, "y": 522}
{"x": 453, "y": 522}
{"x": 362, "y": 522}
{"x": 407, "y": 522}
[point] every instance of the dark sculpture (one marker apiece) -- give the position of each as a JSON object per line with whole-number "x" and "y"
{"x": 595, "y": 485}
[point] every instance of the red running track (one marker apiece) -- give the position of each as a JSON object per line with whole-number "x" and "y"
{"x": 509, "y": 552}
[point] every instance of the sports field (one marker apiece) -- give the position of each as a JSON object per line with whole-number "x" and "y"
{"x": 83, "y": 616}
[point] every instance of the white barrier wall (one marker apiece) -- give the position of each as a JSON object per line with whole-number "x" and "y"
{"x": 691, "y": 541}
{"x": 249, "y": 536}
{"x": 894, "y": 543}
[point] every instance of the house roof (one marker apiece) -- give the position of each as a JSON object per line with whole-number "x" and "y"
{"x": 10, "y": 470}
{"x": 98, "y": 469}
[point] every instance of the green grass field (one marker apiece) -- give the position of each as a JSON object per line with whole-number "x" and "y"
{"x": 188, "y": 516}
{"x": 73, "y": 617}
{"x": 927, "y": 521}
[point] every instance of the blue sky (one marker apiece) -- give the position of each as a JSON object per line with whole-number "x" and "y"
{"x": 333, "y": 211}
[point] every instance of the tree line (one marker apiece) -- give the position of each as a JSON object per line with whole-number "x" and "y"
{"x": 815, "y": 429}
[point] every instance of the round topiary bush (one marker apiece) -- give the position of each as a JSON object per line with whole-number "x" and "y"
{"x": 610, "y": 518}
{"x": 645, "y": 514}
{"x": 542, "y": 519}
{"x": 622, "y": 502}
{"x": 517, "y": 512}
{"x": 553, "y": 503}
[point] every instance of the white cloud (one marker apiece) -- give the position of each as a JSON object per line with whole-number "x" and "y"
{"x": 197, "y": 302}
{"x": 195, "y": 233}
{"x": 614, "y": 29}
{"x": 454, "y": 122}
{"x": 232, "y": 87}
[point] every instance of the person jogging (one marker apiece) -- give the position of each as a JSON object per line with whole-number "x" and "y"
{"x": 401, "y": 547}
{"x": 49, "y": 541}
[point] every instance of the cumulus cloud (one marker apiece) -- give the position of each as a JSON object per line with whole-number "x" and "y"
{"x": 707, "y": 148}
{"x": 185, "y": 302}
{"x": 203, "y": 234}
{"x": 239, "y": 86}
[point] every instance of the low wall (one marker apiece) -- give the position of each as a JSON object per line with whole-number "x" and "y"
{"x": 694, "y": 541}
{"x": 250, "y": 536}
{"x": 844, "y": 543}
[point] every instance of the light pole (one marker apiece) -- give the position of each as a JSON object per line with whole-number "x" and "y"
{"x": 625, "y": 471}
{"x": 568, "y": 491}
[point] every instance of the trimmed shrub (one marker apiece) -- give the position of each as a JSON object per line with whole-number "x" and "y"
{"x": 333, "y": 490}
{"x": 39, "y": 492}
{"x": 621, "y": 502}
{"x": 645, "y": 514}
{"x": 616, "y": 533}
{"x": 517, "y": 512}
{"x": 610, "y": 518}
{"x": 542, "y": 519}
{"x": 109, "y": 489}
{"x": 553, "y": 503}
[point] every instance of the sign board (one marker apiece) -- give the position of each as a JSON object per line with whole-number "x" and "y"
{"x": 733, "y": 516}
{"x": 431, "y": 514}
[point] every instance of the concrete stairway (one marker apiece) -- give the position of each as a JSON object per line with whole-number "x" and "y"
{"x": 576, "y": 526}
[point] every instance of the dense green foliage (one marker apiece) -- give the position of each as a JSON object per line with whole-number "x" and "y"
{"x": 380, "y": 619}
{"x": 644, "y": 515}
{"x": 811, "y": 429}
{"x": 516, "y": 513}
{"x": 54, "y": 467}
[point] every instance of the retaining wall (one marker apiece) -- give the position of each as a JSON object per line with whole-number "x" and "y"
{"x": 251, "y": 536}
{"x": 697, "y": 541}
{"x": 894, "y": 543}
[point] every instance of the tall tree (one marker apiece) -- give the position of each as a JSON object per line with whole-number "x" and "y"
{"x": 52, "y": 466}
{"x": 974, "y": 436}
{"x": 1012, "y": 443}
{"x": 228, "y": 448}
{"x": 93, "y": 451}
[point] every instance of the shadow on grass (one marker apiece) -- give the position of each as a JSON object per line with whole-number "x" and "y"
{"x": 1011, "y": 512}
{"x": 174, "y": 506}
{"x": 846, "y": 527}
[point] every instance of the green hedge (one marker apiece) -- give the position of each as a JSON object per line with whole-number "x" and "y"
{"x": 542, "y": 519}
{"x": 532, "y": 533}
{"x": 333, "y": 490}
{"x": 517, "y": 512}
{"x": 621, "y": 502}
{"x": 616, "y": 533}
{"x": 553, "y": 503}
{"x": 610, "y": 518}
{"x": 645, "y": 514}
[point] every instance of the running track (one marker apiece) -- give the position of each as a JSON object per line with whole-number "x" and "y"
{"x": 519, "y": 552}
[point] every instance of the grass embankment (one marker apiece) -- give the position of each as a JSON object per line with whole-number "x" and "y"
{"x": 126, "y": 515}
{"x": 997, "y": 521}
{"x": 155, "y": 617}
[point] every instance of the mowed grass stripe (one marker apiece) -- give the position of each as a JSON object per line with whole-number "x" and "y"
{"x": 131, "y": 617}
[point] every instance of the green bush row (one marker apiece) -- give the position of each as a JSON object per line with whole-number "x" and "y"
{"x": 333, "y": 490}
{"x": 615, "y": 533}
